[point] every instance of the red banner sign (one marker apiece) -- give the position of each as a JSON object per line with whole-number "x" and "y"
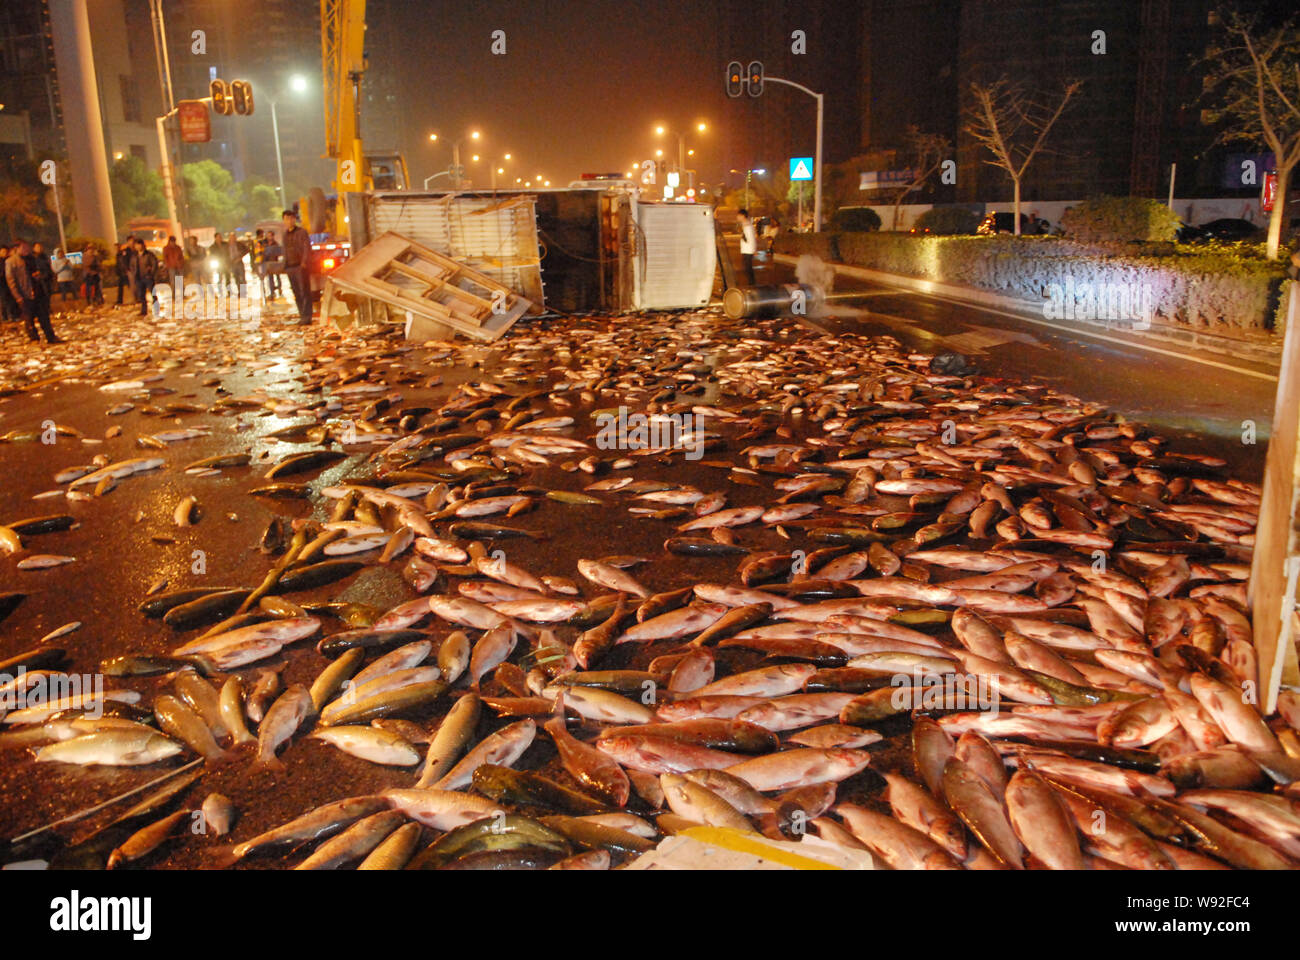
{"x": 1269, "y": 193}
{"x": 195, "y": 121}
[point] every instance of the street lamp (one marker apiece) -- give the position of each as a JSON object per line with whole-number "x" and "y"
{"x": 297, "y": 84}
{"x": 455, "y": 156}
{"x": 681, "y": 145}
{"x": 498, "y": 168}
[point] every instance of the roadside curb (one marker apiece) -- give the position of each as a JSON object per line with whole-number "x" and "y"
{"x": 1264, "y": 350}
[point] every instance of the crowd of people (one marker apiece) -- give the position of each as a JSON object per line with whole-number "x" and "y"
{"x": 31, "y": 277}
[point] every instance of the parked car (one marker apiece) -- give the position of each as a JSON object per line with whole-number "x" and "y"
{"x": 1224, "y": 230}
{"x": 995, "y": 223}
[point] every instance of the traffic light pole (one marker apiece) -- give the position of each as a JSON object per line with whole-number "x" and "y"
{"x": 817, "y": 162}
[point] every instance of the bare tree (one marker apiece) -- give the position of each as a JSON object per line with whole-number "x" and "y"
{"x": 1012, "y": 125}
{"x": 928, "y": 152}
{"x": 1255, "y": 73}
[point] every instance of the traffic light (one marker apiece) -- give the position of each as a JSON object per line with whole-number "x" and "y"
{"x": 755, "y": 78}
{"x": 241, "y": 93}
{"x": 221, "y": 98}
{"x": 735, "y": 79}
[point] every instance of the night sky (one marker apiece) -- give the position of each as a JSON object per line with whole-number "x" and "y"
{"x": 580, "y": 89}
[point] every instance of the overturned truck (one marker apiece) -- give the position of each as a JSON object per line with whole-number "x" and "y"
{"x": 474, "y": 262}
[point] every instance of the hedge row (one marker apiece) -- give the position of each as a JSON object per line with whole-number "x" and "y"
{"x": 1203, "y": 290}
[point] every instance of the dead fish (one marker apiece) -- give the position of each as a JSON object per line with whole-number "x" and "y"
{"x": 218, "y": 813}
{"x": 282, "y": 721}
{"x": 186, "y": 512}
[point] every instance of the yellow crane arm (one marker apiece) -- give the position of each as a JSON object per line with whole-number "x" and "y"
{"x": 343, "y": 61}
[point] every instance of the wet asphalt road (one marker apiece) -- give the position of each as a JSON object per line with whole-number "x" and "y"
{"x": 127, "y": 541}
{"x": 1191, "y": 398}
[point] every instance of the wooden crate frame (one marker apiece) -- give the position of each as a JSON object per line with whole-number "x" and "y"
{"x": 447, "y": 292}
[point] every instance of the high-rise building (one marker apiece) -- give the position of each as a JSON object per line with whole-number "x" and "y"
{"x": 268, "y": 43}
{"x": 31, "y": 118}
{"x": 382, "y": 126}
{"x": 767, "y": 131}
{"x": 126, "y": 73}
{"x": 1134, "y": 117}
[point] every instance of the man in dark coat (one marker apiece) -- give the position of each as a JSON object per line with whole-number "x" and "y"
{"x": 297, "y": 265}
{"x": 144, "y": 271}
{"x": 125, "y": 254}
{"x": 27, "y": 293}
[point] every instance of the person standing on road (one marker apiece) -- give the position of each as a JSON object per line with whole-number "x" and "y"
{"x": 173, "y": 259}
{"x": 42, "y": 278}
{"x": 748, "y": 244}
{"x": 8, "y": 305}
{"x": 65, "y": 275}
{"x": 297, "y": 264}
{"x": 257, "y": 258}
{"x": 144, "y": 273}
{"x": 193, "y": 261}
{"x": 273, "y": 264}
{"x": 125, "y": 254}
{"x": 218, "y": 254}
{"x": 23, "y": 288}
{"x": 236, "y": 250}
{"x": 91, "y": 265}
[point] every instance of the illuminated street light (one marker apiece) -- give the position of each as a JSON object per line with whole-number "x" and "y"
{"x": 455, "y": 156}
{"x": 297, "y": 84}
{"x": 495, "y": 166}
{"x": 700, "y": 127}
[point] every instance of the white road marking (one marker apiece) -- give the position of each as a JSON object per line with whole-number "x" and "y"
{"x": 1098, "y": 336}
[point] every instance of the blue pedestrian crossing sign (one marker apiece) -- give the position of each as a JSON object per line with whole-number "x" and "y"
{"x": 801, "y": 168}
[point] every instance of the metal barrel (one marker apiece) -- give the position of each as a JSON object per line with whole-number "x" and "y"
{"x": 773, "y": 301}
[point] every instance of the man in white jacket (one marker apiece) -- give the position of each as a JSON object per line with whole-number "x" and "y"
{"x": 748, "y": 244}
